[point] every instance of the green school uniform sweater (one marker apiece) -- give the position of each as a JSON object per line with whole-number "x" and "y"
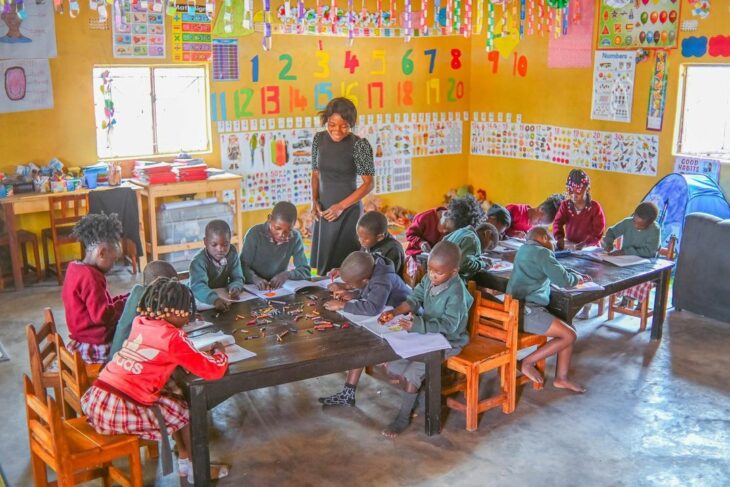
{"x": 644, "y": 243}
{"x": 447, "y": 312}
{"x": 535, "y": 267}
{"x": 204, "y": 276}
{"x": 264, "y": 258}
{"x": 471, "y": 249}
{"x": 124, "y": 325}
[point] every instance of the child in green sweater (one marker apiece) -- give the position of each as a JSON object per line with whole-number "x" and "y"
{"x": 216, "y": 266}
{"x": 440, "y": 304}
{"x": 269, "y": 247}
{"x": 459, "y": 221}
{"x": 535, "y": 268}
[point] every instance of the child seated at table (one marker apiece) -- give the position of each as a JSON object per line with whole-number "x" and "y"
{"x": 153, "y": 270}
{"x": 580, "y": 221}
{"x": 498, "y": 216}
{"x": 91, "y": 312}
{"x": 269, "y": 247}
{"x": 371, "y": 284}
{"x": 216, "y": 266}
{"x": 488, "y": 236}
{"x": 372, "y": 232}
{"x": 641, "y": 236}
{"x": 440, "y": 304}
{"x": 461, "y": 218}
{"x": 524, "y": 217}
{"x": 128, "y": 397}
{"x": 423, "y": 233}
{"x": 535, "y": 268}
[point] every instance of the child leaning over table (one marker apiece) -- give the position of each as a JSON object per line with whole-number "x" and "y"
{"x": 641, "y": 236}
{"x": 440, "y": 304}
{"x": 461, "y": 218}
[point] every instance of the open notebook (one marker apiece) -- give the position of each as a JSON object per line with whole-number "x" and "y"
{"x": 598, "y": 254}
{"x": 289, "y": 287}
{"x": 223, "y": 293}
{"x": 235, "y": 352}
{"x": 584, "y": 287}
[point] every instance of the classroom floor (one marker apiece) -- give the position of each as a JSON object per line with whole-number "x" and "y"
{"x": 654, "y": 414}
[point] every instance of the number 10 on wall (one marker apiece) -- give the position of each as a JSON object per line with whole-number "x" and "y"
{"x": 519, "y": 63}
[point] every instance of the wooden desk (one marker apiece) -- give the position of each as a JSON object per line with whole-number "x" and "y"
{"x": 26, "y": 203}
{"x": 153, "y": 192}
{"x": 300, "y": 356}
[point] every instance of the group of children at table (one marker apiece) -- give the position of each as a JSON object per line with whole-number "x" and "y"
{"x": 139, "y": 335}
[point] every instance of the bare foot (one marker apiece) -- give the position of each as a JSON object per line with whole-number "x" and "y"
{"x": 531, "y": 372}
{"x": 570, "y": 385}
{"x": 390, "y": 433}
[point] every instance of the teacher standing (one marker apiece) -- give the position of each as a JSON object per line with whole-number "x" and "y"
{"x": 338, "y": 157}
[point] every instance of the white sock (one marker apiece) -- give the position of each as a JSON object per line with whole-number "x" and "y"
{"x": 185, "y": 467}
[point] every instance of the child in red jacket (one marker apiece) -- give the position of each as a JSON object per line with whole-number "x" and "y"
{"x": 128, "y": 396}
{"x": 91, "y": 312}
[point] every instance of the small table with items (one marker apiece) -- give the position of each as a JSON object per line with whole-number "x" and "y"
{"x": 289, "y": 350}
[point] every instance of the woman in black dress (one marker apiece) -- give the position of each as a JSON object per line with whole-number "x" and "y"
{"x": 338, "y": 158}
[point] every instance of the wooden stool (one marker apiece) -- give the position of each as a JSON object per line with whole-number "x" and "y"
{"x": 73, "y": 449}
{"x": 25, "y": 239}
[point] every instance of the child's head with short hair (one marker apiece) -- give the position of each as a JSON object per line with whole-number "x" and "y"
{"x": 357, "y": 269}
{"x": 101, "y": 235}
{"x": 462, "y": 212}
{"x": 498, "y": 216}
{"x": 541, "y": 236}
{"x": 443, "y": 262}
{"x": 371, "y": 229}
{"x": 217, "y": 239}
{"x": 167, "y": 299}
{"x": 547, "y": 210}
{"x": 488, "y": 236}
{"x": 645, "y": 214}
{"x": 578, "y": 187}
{"x": 155, "y": 269}
{"x": 281, "y": 221}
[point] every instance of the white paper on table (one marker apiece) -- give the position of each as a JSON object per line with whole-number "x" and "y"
{"x": 500, "y": 266}
{"x": 624, "y": 260}
{"x": 583, "y": 287}
{"x": 236, "y": 353}
{"x": 411, "y": 344}
{"x": 268, "y": 293}
{"x": 200, "y": 306}
{"x": 196, "y": 325}
{"x": 244, "y": 296}
{"x": 512, "y": 243}
{"x": 372, "y": 323}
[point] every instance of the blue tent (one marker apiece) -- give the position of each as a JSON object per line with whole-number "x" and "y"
{"x": 678, "y": 195}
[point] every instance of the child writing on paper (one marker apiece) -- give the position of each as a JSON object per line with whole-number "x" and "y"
{"x": 91, "y": 312}
{"x": 641, "y": 236}
{"x": 128, "y": 396}
{"x": 535, "y": 268}
{"x": 153, "y": 270}
{"x": 524, "y": 217}
{"x": 440, "y": 304}
{"x": 424, "y": 232}
{"x": 216, "y": 266}
{"x": 580, "y": 221}
{"x": 461, "y": 218}
{"x": 498, "y": 216}
{"x": 269, "y": 247}
{"x": 371, "y": 284}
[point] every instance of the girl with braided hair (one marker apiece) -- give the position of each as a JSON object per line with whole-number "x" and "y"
{"x": 91, "y": 312}
{"x": 580, "y": 221}
{"x": 129, "y": 396}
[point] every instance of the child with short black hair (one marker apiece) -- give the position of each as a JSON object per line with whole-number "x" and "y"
{"x": 128, "y": 397}
{"x": 498, "y": 216}
{"x": 488, "y": 236}
{"x": 440, "y": 304}
{"x": 153, "y": 270}
{"x": 269, "y": 247}
{"x": 462, "y": 216}
{"x": 524, "y": 217}
{"x": 91, "y": 312}
{"x": 579, "y": 221}
{"x": 535, "y": 268}
{"x": 371, "y": 284}
{"x": 372, "y": 232}
{"x": 217, "y": 265}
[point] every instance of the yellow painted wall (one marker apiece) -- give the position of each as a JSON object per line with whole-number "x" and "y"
{"x": 562, "y": 97}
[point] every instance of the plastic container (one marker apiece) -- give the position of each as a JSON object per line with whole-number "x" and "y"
{"x": 90, "y": 179}
{"x": 73, "y": 184}
{"x": 58, "y": 186}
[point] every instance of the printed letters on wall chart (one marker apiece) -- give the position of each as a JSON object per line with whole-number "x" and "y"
{"x": 33, "y": 37}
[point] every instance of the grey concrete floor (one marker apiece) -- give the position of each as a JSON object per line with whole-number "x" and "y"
{"x": 654, "y": 414}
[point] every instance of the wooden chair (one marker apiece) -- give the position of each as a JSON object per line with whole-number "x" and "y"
{"x": 25, "y": 239}
{"x": 65, "y": 211}
{"x": 643, "y": 313}
{"x": 492, "y": 346}
{"x": 72, "y": 448}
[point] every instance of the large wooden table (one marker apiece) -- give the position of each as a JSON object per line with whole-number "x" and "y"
{"x": 299, "y": 356}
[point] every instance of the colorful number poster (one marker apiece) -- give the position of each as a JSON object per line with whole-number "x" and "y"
{"x": 191, "y": 34}
{"x": 630, "y": 24}
{"x": 31, "y": 37}
{"x": 141, "y": 32}
{"x": 26, "y": 85}
{"x": 658, "y": 92}
{"x": 225, "y": 60}
{"x": 613, "y": 85}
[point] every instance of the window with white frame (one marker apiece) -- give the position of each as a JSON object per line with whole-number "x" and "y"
{"x": 144, "y": 111}
{"x": 703, "y": 111}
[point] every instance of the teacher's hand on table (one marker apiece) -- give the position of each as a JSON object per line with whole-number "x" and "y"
{"x": 333, "y": 212}
{"x": 334, "y": 305}
{"x": 278, "y": 280}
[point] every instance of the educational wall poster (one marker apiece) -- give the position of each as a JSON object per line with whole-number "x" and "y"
{"x": 657, "y": 92}
{"x": 225, "y": 60}
{"x": 141, "y": 31}
{"x": 631, "y": 24}
{"x": 574, "y": 50}
{"x": 613, "y": 85}
{"x": 592, "y": 149}
{"x": 30, "y": 35}
{"x": 698, "y": 165}
{"x": 191, "y": 34}
{"x": 26, "y": 85}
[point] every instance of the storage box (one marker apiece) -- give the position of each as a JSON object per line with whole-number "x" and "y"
{"x": 187, "y": 224}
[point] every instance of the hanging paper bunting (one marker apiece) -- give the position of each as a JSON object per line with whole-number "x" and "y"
{"x": 480, "y": 17}
{"x": 266, "y": 40}
{"x": 423, "y": 21}
{"x": 467, "y": 18}
{"x": 408, "y": 20}
{"x": 557, "y": 3}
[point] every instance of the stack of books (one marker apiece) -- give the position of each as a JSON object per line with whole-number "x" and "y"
{"x": 154, "y": 172}
{"x": 191, "y": 170}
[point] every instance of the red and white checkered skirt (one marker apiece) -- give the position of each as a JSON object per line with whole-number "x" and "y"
{"x": 640, "y": 292}
{"x": 91, "y": 353}
{"x": 110, "y": 414}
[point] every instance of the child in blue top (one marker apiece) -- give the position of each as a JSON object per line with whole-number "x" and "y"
{"x": 459, "y": 221}
{"x": 535, "y": 268}
{"x": 216, "y": 266}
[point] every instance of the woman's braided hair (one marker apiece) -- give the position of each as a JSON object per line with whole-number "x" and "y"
{"x": 166, "y": 297}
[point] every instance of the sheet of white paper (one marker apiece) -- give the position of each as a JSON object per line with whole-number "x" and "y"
{"x": 196, "y": 325}
{"x": 411, "y": 344}
{"x": 244, "y": 296}
{"x": 203, "y": 306}
{"x": 268, "y": 294}
{"x": 512, "y": 243}
{"x": 624, "y": 260}
{"x": 295, "y": 286}
{"x": 237, "y": 353}
{"x": 206, "y": 341}
{"x": 500, "y": 266}
{"x": 586, "y": 286}
{"x": 372, "y": 324}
